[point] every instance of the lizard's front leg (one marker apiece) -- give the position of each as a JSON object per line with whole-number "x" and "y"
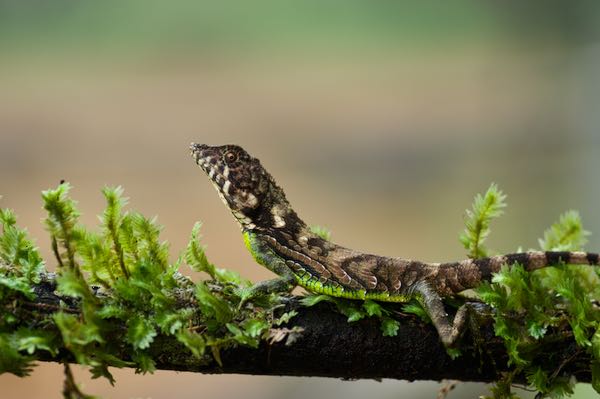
{"x": 283, "y": 283}
{"x": 265, "y": 256}
{"x": 279, "y": 284}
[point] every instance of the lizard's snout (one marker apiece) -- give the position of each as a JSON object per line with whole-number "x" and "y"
{"x": 198, "y": 151}
{"x": 197, "y": 148}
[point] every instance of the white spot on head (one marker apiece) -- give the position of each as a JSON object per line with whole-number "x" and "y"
{"x": 226, "y": 172}
{"x": 211, "y": 174}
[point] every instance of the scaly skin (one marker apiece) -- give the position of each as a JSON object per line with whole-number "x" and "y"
{"x": 279, "y": 240}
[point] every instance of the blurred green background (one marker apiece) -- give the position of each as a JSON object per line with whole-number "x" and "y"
{"x": 380, "y": 119}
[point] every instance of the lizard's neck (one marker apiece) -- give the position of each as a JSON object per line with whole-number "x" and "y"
{"x": 273, "y": 214}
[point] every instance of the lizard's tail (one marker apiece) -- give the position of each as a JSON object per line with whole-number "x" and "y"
{"x": 535, "y": 260}
{"x": 458, "y": 276}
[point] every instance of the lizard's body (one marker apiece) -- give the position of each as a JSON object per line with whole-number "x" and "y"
{"x": 282, "y": 242}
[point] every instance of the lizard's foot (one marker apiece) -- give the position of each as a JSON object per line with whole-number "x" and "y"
{"x": 449, "y": 330}
{"x": 266, "y": 287}
{"x": 471, "y": 315}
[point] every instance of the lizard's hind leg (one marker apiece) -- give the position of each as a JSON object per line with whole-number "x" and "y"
{"x": 449, "y": 330}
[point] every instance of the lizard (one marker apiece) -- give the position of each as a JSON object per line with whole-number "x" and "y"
{"x": 282, "y": 242}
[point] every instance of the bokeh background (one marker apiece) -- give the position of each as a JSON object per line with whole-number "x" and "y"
{"x": 380, "y": 119}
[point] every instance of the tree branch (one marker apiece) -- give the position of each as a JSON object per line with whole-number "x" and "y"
{"x": 329, "y": 346}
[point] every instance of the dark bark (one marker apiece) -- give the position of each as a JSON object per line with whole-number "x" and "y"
{"x": 331, "y": 347}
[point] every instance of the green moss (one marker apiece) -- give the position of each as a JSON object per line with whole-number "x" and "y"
{"x": 531, "y": 309}
{"x": 321, "y": 231}
{"x": 140, "y": 285}
{"x": 358, "y": 310}
{"x": 477, "y": 220}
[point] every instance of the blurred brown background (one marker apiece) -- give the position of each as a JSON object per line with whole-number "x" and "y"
{"x": 381, "y": 120}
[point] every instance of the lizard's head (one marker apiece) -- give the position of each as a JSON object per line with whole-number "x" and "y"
{"x": 242, "y": 182}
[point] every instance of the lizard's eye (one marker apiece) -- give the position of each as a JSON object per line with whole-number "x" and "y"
{"x": 230, "y": 156}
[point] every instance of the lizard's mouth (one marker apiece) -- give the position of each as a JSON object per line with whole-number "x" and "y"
{"x": 204, "y": 157}
{"x": 198, "y": 152}
{"x": 207, "y": 158}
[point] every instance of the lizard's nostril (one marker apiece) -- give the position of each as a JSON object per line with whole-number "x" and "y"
{"x": 197, "y": 150}
{"x": 197, "y": 147}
